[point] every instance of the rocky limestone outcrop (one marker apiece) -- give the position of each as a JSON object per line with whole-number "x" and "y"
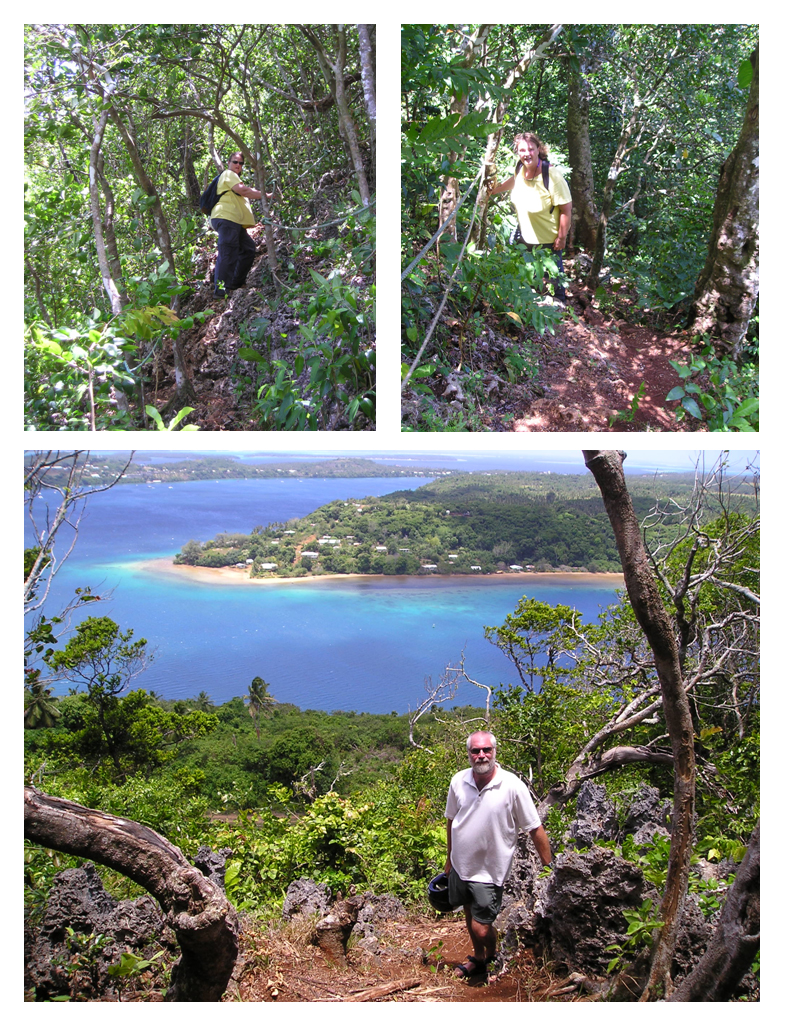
{"x": 305, "y": 898}
{"x": 336, "y": 920}
{"x": 101, "y": 928}
{"x": 84, "y": 931}
{"x": 334, "y": 929}
{"x": 575, "y": 911}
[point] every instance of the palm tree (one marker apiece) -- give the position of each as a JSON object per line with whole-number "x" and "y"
{"x": 41, "y": 706}
{"x": 204, "y": 703}
{"x": 259, "y": 701}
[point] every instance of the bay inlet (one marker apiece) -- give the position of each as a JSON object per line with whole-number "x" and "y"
{"x": 354, "y": 643}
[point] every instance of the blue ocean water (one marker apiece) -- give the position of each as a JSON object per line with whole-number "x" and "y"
{"x": 364, "y": 644}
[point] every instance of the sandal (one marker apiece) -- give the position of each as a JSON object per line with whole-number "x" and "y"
{"x": 476, "y": 968}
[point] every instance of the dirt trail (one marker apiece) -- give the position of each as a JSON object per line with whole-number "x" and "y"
{"x": 414, "y": 962}
{"x": 593, "y": 369}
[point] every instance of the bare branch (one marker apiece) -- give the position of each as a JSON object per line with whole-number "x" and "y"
{"x": 436, "y": 694}
{"x": 40, "y": 478}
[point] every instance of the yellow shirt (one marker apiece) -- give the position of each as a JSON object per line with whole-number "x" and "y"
{"x": 230, "y": 205}
{"x": 533, "y": 201}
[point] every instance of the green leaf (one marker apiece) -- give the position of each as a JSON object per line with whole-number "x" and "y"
{"x": 250, "y": 355}
{"x": 155, "y": 415}
{"x": 691, "y": 405}
{"x": 179, "y": 417}
{"x": 320, "y": 280}
{"x": 746, "y": 72}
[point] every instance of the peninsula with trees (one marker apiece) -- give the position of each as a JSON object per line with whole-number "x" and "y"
{"x": 478, "y": 523}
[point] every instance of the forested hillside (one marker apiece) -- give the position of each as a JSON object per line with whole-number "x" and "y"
{"x": 125, "y": 126}
{"x": 468, "y": 523}
{"x": 655, "y": 130}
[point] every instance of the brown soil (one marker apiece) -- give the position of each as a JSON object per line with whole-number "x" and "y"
{"x": 590, "y": 371}
{"x": 415, "y": 962}
{"x": 593, "y": 368}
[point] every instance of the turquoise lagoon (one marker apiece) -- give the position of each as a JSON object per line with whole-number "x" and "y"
{"x": 364, "y": 644}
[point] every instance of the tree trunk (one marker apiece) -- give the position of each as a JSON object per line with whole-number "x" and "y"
{"x": 95, "y": 208}
{"x": 261, "y": 184}
{"x": 144, "y": 181}
{"x": 191, "y": 181}
{"x": 584, "y": 212}
{"x": 184, "y": 391}
{"x": 473, "y": 48}
{"x": 110, "y": 238}
{"x": 641, "y": 583}
{"x": 38, "y": 291}
{"x": 614, "y": 170}
{"x": 347, "y": 120}
{"x": 736, "y": 937}
{"x": 204, "y": 921}
{"x": 726, "y": 291}
{"x": 368, "y": 76}
{"x": 585, "y": 767}
{"x": 333, "y": 70}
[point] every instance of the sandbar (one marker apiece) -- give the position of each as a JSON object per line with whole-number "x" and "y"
{"x": 240, "y": 576}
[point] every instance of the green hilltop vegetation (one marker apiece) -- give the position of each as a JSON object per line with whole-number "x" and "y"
{"x": 465, "y": 523}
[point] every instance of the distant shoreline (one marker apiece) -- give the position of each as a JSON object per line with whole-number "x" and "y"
{"x": 239, "y": 576}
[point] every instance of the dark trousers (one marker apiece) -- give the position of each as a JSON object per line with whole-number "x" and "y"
{"x": 236, "y": 253}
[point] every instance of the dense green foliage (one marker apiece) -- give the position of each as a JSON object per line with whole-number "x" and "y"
{"x": 343, "y": 798}
{"x": 661, "y": 110}
{"x": 406, "y": 536}
{"x": 125, "y": 125}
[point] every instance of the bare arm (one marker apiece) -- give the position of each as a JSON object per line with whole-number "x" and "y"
{"x": 448, "y": 864}
{"x": 249, "y": 193}
{"x": 565, "y": 219}
{"x": 542, "y": 844}
{"x": 504, "y": 186}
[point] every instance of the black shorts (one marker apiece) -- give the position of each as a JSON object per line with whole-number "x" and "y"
{"x": 483, "y": 900}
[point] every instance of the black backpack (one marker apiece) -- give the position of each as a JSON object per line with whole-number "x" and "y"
{"x": 517, "y": 237}
{"x": 209, "y": 196}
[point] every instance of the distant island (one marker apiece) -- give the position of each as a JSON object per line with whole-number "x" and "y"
{"x": 103, "y": 468}
{"x": 478, "y": 523}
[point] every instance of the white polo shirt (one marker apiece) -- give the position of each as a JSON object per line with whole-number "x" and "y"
{"x": 486, "y": 823}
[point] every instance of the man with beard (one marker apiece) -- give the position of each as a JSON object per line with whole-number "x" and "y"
{"x": 541, "y": 198}
{"x": 487, "y": 808}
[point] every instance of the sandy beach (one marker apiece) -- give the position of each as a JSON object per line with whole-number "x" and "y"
{"x": 240, "y": 576}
